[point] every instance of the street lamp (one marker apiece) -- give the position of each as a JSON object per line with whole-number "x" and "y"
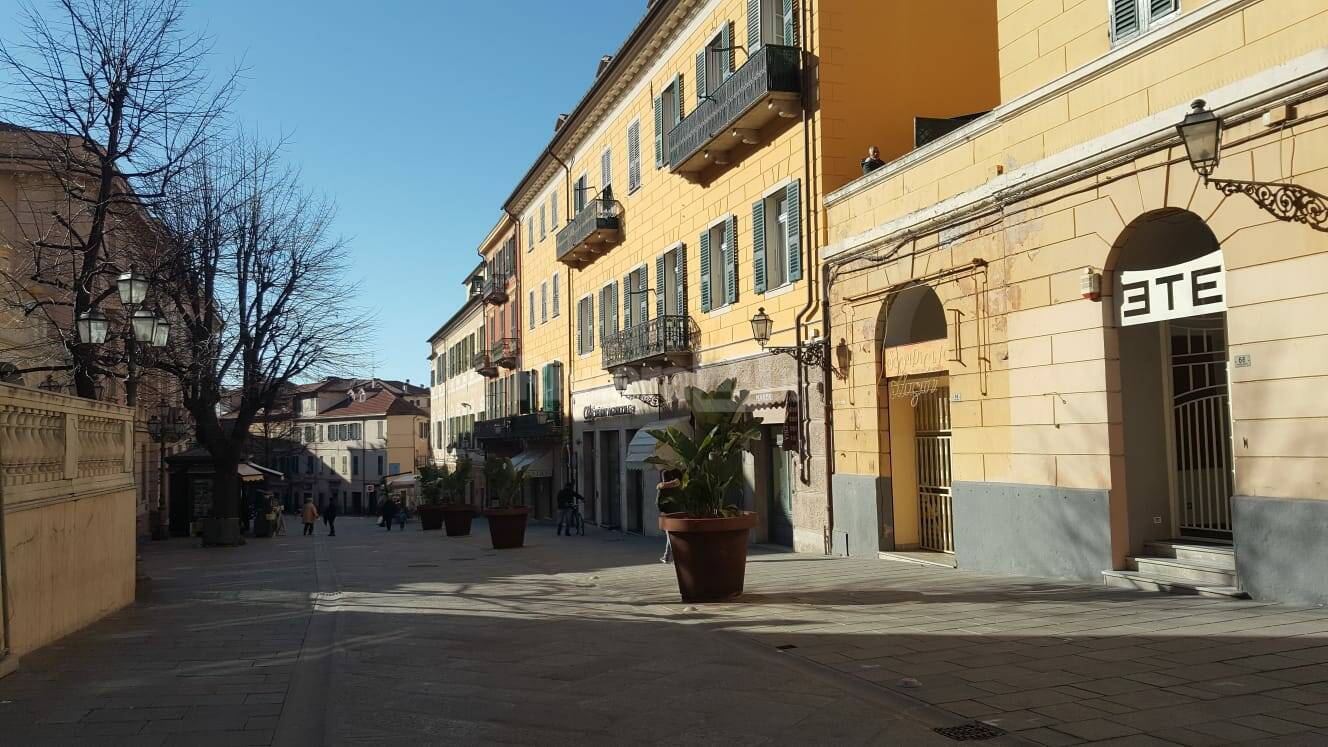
{"x": 761, "y": 327}
{"x": 620, "y": 379}
{"x": 133, "y": 287}
{"x": 161, "y": 332}
{"x": 1201, "y": 132}
{"x": 810, "y": 353}
{"x": 93, "y": 326}
{"x": 146, "y": 327}
{"x": 165, "y": 427}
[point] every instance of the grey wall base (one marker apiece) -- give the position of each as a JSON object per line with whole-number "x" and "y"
{"x": 858, "y": 503}
{"x": 1032, "y": 530}
{"x": 1281, "y": 548}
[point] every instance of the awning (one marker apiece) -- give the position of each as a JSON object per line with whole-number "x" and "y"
{"x": 642, "y": 446}
{"x": 268, "y": 472}
{"x": 537, "y": 463}
{"x": 401, "y": 481}
{"x": 248, "y": 473}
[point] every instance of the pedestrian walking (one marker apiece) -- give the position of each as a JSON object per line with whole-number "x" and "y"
{"x": 310, "y": 515}
{"x": 402, "y": 516}
{"x": 388, "y": 511}
{"x": 567, "y": 498}
{"x": 330, "y": 518}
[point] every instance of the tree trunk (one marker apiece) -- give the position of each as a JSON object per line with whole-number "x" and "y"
{"x": 225, "y": 488}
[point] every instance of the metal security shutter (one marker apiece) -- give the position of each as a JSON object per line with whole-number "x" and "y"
{"x": 793, "y": 223}
{"x": 1124, "y": 18}
{"x": 705, "y": 271}
{"x": 758, "y": 246}
{"x": 659, "y": 132}
{"x": 731, "y": 259}
{"x": 659, "y": 285}
{"x": 753, "y": 25}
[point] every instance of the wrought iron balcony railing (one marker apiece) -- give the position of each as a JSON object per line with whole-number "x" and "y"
{"x": 665, "y": 340}
{"x": 767, "y": 86}
{"x": 495, "y": 288}
{"x": 595, "y": 229}
{"x": 483, "y": 364}
{"x": 504, "y": 352}
{"x": 534, "y": 427}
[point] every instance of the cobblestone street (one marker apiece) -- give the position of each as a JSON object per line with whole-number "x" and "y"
{"x": 371, "y": 637}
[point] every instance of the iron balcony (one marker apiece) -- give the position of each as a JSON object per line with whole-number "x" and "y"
{"x": 536, "y": 426}
{"x": 483, "y": 364}
{"x": 766, "y": 87}
{"x": 504, "y": 352}
{"x": 596, "y": 228}
{"x": 495, "y": 289}
{"x": 663, "y": 341}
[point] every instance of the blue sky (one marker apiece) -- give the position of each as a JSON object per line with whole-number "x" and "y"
{"x": 416, "y": 117}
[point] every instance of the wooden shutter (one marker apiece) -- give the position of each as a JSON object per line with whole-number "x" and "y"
{"x": 524, "y": 405}
{"x": 660, "y": 309}
{"x": 605, "y": 170}
{"x": 753, "y": 25}
{"x": 555, "y": 295}
{"x": 613, "y": 308}
{"x": 728, "y": 55}
{"x": 793, "y": 223}
{"x": 603, "y": 304}
{"x": 580, "y": 326}
{"x": 790, "y": 23}
{"x": 731, "y": 260}
{"x": 659, "y": 132}
{"x": 1159, "y": 8}
{"x": 701, "y": 79}
{"x": 705, "y": 271}
{"x": 553, "y": 201}
{"x": 680, "y": 273}
{"x": 677, "y": 94}
{"x": 558, "y": 385}
{"x": 1124, "y": 18}
{"x": 758, "y": 246}
{"x": 633, "y": 156}
{"x": 628, "y": 298}
{"x": 642, "y": 294}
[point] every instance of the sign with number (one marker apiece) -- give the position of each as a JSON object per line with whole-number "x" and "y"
{"x": 1187, "y": 289}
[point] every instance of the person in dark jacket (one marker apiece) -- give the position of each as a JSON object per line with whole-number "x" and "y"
{"x": 330, "y": 518}
{"x": 669, "y": 484}
{"x": 873, "y": 160}
{"x": 389, "y": 511}
{"x": 567, "y": 498}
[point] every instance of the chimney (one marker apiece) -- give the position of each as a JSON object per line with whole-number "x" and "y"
{"x": 562, "y": 119}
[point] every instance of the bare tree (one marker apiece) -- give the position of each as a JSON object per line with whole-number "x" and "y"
{"x": 111, "y": 101}
{"x": 256, "y": 281}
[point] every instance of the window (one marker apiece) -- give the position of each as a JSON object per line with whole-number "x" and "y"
{"x": 424, "y": 430}
{"x": 309, "y": 465}
{"x": 530, "y": 243}
{"x": 719, "y": 270}
{"x": 354, "y": 465}
{"x": 553, "y": 209}
{"x": 544, "y": 302}
{"x": 380, "y": 464}
{"x": 553, "y": 387}
{"x": 582, "y": 196}
{"x": 531, "y": 307}
{"x": 345, "y": 462}
{"x": 585, "y": 325}
{"x": 355, "y": 431}
{"x": 380, "y": 428}
{"x": 633, "y": 156}
{"x": 394, "y": 468}
{"x": 776, "y": 239}
{"x": 606, "y": 172}
{"x": 772, "y": 22}
{"x": 308, "y": 434}
{"x": 608, "y": 311}
{"x": 320, "y": 433}
{"x": 543, "y": 232}
{"x": 635, "y": 298}
{"x": 714, "y": 64}
{"x": 671, "y": 282}
{"x": 1129, "y": 18}
{"x": 557, "y": 309}
{"x": 668, "y": 113}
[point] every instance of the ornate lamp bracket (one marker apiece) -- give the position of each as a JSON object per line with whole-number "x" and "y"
{"x": 1288, "y": 202}
{"x": 650, "y": 400}
{"x": 810, "y": 354}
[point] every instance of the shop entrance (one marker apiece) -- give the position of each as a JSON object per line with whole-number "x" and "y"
{"x": 931, "y": 438}
{"x": 611, "y": 480}
{"x": 1202, "y": 474}
{"x": 781, "y": 488}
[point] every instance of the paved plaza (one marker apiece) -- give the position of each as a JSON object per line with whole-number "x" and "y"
{"x": 395, "y": 638}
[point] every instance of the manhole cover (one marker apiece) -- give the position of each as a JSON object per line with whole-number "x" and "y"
{"x": 973, "y": 731}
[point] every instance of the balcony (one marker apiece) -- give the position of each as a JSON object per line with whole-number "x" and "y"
{"x": 596, "y": 229}
{"x": 663, "y": 341}
{"x": 484, "y": 364}
{"x": 535, "y": 426}
{"x": 504, "y": 352}
{"x": 768, "y": 86}
{"x": 494, "y": 290}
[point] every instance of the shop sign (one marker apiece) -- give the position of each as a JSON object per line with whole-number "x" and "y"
{"x": 592, "y": 413}
{"x": 918, "y": 358}
{"x": 913, "y": 389}
{"x": 1187, "y": 289}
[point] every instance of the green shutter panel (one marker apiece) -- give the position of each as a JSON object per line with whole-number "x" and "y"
{"x": 790, "y": 23}
{"x": 793, "y": 222}
{"x": 603, "y": 314}
{"x": 682, "y": 279}
{"x": 753, "y": 25}
{"x": 1124, "y": 18}
{"x": 659, "y": 132}
{"x": 659, "y": 285}
{"x": 613, "y": 308}
{"x": 642, "y": 294}
{"x": 677, "y": 86}
{"x": 580, "y": 325}
{"x": 705, "y": 271}
{"x": 701, "y": 78}
{"x": 731, "y": 260}
{"x": 627, "y": 301}
{"x": 758, "y": 246}
{"x": 726, "y": 41}
{"x": 1159, "y": 8}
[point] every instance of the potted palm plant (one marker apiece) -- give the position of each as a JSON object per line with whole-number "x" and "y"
{"x": 507, "y": 513}
{"x": 457, "y": 513}
{"x": 431, "y": 496}
{"x": 703, "y": 471}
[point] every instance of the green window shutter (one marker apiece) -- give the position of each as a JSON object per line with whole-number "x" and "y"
{"x": 558, "y": 384}
{"x": 659, "y": 132}
{"x": 613, "y": 308}
{"x": 682, "y": 279}
{"x": 580, "y": 326}
{"x": 627, "y": 301}
{"x": 758, "y": 246}
{"x": 603, "y": 314}
{"x": 642, "y": 294}
{"x": 659, "y": 285}
{"x": 1124, "y": 18}
{"x": 793, "y": 222}
{"x": 705, "y": 271}
{"x": 790, "y": 23}
{"x": 1159, "y": 8}
{"x": 677, "y": 88}
{"x": 701, "y": 76}
{"x": 731, "y": 260}
{"x": 753, "y": 25}
{"x": 726, "y": 41}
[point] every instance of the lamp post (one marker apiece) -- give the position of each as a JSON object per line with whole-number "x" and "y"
{"x": 165, "y": 427}
{"x": 146, "y": 327}
{"x": 810, "y": 353}
{"x": 1201, "y": 133}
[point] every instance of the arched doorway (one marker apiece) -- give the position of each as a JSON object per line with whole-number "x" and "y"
{"x": 914, "y": 380}
{"x": 1169, "y": 310}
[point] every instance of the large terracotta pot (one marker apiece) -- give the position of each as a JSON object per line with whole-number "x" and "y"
{"x": 431, "y": 517}
{"x": 456, "y": 517}
{"x": 507, "y": 527}
{"x": 709, "y": 555}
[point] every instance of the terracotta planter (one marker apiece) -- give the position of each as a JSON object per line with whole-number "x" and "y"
{"x": 431, "y": 517}
{"x": 507, "y": 527}
{"x": 457, "y": 517}
{"x": 709, "y": 555}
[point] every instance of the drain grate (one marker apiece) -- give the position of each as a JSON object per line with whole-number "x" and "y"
{"x": 973, "y": 731}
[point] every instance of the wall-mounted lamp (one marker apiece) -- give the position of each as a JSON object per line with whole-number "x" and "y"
{"x": 811, "y": 353}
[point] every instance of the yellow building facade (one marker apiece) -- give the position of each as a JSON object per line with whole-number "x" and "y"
{"x": 1066, "y": 352}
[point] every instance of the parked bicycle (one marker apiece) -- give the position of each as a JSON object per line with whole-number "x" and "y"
{"x": 569, "y": 511}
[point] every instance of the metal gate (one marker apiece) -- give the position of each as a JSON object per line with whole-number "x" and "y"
{"x": 1201, "y": 426}
{"x": 931, "y": 437}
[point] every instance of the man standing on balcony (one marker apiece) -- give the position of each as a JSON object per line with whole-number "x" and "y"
{"x": 873, "y": 160}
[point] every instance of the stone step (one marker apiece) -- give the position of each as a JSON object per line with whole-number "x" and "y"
{"x": 1147, "y": 582}
{"x": 1193, "y": 571}
{"x": 1208, "y": 552}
